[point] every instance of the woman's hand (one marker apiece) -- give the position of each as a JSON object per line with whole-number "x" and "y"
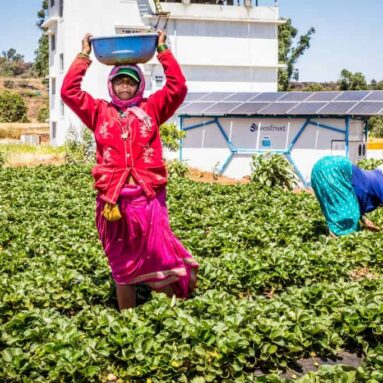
{"x": 86, "y": 45}
{"x": 161, "y": 37}
{"x": 369, "y": 225}
{"x": 331, "y": 234}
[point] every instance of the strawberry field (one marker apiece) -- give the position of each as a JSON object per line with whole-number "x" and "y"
{"x": 273, "y": 289}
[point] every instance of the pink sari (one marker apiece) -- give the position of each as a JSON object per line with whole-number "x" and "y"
{"x": 141, "y": 247}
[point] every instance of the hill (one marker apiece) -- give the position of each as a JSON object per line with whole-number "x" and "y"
{"x": 31, "y": 89}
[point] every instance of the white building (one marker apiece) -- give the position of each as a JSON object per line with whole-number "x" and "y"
{"x": 221, "y": 47}
{"x": 224, "y": 130}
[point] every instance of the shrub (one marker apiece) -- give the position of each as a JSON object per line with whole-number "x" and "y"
{"x": 3, "y": 159}
{"x": 9, "y": 84}
{"x": 12, "y": 107}
{"x": 26, "y": 85}
{"x": 12, "y": 69}
{"x": 29, "y": 93}
{"x": 43, "y": 114}
{"x": 79, "y": 146}
{"x": 177, "y": 168}
{"x": 171, "y": 136}
{"x": 272, "y": 170}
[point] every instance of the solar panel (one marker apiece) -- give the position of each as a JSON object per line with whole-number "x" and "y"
{"x": 296, "y": 96}
{"x": 279, "y": 107}
{"x": 352, "y": 96}
{"x": 307, "y": 108}
{"x": 284, "y": 103}
{"x": 216, "y": 96}
{"x": 245, "y": 96}
{"x": 250, "y": 108}
{"x": 195, "y": 107}
{"x": 182, "y": 107}
{"x": 268, "y": 96}
{"x": 195, "y": 96}
{"x": 376, "y": 95}
{"x": 221, "y": 108}
{"x": 324, "y": 96}
{"x": 367, "y": 108}
{"x": 336, "y": 108}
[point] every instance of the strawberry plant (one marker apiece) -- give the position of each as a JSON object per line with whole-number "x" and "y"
{"x": 370, "y": 163}
{"x": 272, "y": 288}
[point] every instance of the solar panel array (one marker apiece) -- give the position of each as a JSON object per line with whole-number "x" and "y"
{"x": 347, "y": 103}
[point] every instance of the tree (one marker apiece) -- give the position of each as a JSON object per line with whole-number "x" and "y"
{"x": 171, "y": 136}
{"x": 12, "y": 55}
{"x": 375, "y": 123}
{"x": 375, "y": 85}
{"x": 12, "y": 63}
{"x": 41, "y": 64}
{"x": 290, "y": 52}
{"x": 41, "y": 14}
{"x": 352, "y": 81}
{"x": 314, "y": 87}
{"x": 375, "y": 126}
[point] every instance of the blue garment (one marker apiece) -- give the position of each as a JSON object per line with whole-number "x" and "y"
{"x": 368, "y": 187}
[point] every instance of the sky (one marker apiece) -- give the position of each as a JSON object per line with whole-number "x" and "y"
{"x": 18, "y": 28}
{"x": 348, "y": 34}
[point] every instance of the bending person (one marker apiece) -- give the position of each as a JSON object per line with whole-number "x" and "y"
{"x": 345, "y": 193}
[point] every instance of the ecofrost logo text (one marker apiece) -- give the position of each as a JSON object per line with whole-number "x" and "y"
{"x": 268, "y": 128}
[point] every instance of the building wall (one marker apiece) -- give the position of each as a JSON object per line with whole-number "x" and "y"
{"x": 220, "y": 48}
{"x": 99, "y": 18}
{"x": 206, "y": 148}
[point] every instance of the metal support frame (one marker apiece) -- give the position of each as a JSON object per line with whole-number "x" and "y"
{"x": 214, "y": 120}
{"x": 346, "y": 143}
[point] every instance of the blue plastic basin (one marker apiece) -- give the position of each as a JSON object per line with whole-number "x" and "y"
{"x": 125, "y": 49}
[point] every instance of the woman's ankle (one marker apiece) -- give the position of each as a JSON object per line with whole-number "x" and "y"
{"x": 126, "y": 296}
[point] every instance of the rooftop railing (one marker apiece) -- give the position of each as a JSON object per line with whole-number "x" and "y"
{"x": 251, "y": 3}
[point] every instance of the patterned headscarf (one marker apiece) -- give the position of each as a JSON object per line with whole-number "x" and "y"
{"x": 136, "y": 99}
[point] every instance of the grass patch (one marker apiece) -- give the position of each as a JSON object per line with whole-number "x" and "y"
{"x": 26, "y": 148}
{"x": 29, "y": 155}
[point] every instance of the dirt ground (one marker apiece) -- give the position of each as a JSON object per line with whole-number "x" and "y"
{"x": 14, "y": 130}
{"x": 202, "y": 176}
{"x": 19, "y": 155}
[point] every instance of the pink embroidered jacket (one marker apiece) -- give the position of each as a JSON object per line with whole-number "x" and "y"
{"x": 127, "y": 145}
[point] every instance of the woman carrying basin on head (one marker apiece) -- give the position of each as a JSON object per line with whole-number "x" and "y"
{"x": 130, "y": 175}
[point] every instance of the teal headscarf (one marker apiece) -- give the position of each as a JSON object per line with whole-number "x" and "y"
{"x": 331, "y": 179}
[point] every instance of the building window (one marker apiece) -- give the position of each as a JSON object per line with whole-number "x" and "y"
{"x": 61, "y": 62}
{"x": 53, "y": 43}
{"x": 159, "y": 80}
{"x": 61, "y": 8}
{"x": 52, "y": 3}
{"x": 53, "y": 86}
{"x": 129, "y": 30}
{"x": 54, "y": 128}
{"x": 62, "y": 109}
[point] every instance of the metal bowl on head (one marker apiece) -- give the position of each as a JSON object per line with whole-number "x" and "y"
{"x": 125, "y": 49}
